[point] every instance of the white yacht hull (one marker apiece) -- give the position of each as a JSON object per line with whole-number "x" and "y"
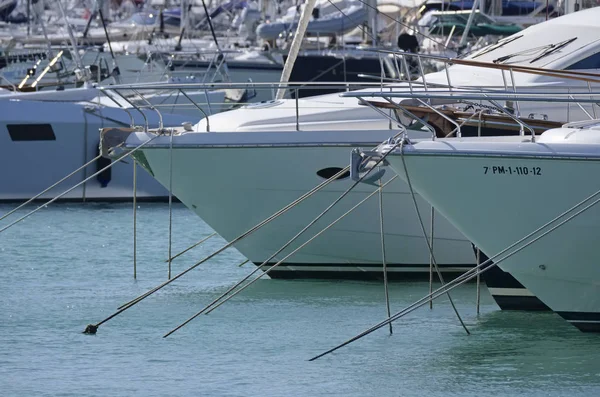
{"x": 233, "y": 185}
{"x": 497, "y": 198}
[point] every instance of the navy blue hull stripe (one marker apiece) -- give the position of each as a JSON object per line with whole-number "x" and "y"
{"x": 461, "y": 267}
{"x": 586, "y": 327}
{"x": 580, "y": 316}
{"x": 584, "y": 321}
{"x": 520, "y": 303}
{"x": 325, "y": 271}
{"x": 497, "y": 278}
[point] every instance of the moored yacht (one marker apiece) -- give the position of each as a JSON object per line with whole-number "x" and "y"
{"x": 43, "y": 141}
{"x": 237, "y": 168}
{"x": 500, "y": 193}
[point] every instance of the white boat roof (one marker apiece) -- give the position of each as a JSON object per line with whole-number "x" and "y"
{"x": 526, "y": 47}
{"x": 582, "y": 25}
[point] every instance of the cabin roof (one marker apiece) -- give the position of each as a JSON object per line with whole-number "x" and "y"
{"x": 524, "y": 47}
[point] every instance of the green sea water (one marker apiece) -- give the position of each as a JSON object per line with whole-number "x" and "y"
{"x": 72, "y": 264}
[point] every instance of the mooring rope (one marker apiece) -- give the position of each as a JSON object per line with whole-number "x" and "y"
{"x": 429, "y": 246}
{"x": 431, "y": 257}
{"x": 134, "y": 219}
{"x": 315, "y": 220}
{"x": 49, "y": 188}
{"x": 192, "y": 246}
{"x": 92, "y": 328}
{"x": 218, "y": 302}
{"x": 477, "y": 270}
{"x": 78, "y": 184}
{"x": 170, "y": 202}
{"x": 383, "y": 258}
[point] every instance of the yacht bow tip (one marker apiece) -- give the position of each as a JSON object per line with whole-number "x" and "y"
{"x": 111, "y": 138}
{"x": 91, "y": 329}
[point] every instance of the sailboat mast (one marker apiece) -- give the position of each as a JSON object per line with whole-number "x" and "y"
{"x": 463, "y": 39}
{"x": 71, "y": 36}
{"x": 373, "y": 28}
{"x": 28, "y": 18}
{"x": 295, "y": 47}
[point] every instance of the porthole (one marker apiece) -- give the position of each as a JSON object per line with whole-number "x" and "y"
{"x": 329, "y": 172}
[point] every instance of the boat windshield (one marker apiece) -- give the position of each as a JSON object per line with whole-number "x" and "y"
{"x": 545, "y": 51}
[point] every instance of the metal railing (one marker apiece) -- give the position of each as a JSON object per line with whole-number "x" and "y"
{"x": 399, "y": 84}
{"x": 420, "y": 89}
{"x": 490, "y": 97}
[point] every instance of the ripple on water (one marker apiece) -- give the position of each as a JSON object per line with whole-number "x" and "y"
{"x": 71, "y": 265}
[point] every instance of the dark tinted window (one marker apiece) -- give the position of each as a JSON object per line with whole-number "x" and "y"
{"x": 591, "y": 62}
{"x": 31, "y": 132}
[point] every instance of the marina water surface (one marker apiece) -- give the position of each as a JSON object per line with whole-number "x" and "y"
{"x": 72, "y": 264}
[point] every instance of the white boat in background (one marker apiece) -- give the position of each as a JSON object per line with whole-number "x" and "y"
{"x": 329, "y": 18}
{"x": 48, "y": 134}
{"x": 499, "y": 193}
{"x": 43, "y": 141}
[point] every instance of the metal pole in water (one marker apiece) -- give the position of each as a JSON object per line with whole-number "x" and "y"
{"x": 385, "y": 275}
{"x": 92, "y": 328}
{"x": 170, "y": 200}
{"x": 230, "y": 293}
{"x": 134, "y": 219}
{"x": 478, "y": 281}
{"x": 431, "y": 259}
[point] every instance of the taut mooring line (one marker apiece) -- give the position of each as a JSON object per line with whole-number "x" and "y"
{"x": 170, "y": 204}
{"x": 92, "y": 328}
{"x": 429, "y": 246}
{"x": 431, "y": 256}
{"x": 383, "y": 257}
{"x": 49, "y": 188}
{"x": 477, "y": 270}
{"x": 79, "y": 184}
{"x": 134, "y": 219}
{"x": 191, "y": 247}
{"x": 214, "y": 303}
{"x": 219, "y": 300}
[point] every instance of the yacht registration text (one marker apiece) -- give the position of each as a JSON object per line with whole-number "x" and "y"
{"x": 510, "y": 170}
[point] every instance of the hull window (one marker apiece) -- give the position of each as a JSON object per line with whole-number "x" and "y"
{"x": 31, "y": 132}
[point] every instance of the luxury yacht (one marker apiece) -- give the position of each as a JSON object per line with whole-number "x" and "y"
{"x": 500, "y": 193}
{"x": 42, "y": 141}
{"x": 237, "y": 168}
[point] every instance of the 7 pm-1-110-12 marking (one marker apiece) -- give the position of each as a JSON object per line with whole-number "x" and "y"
{"x": 511, "y": 170}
